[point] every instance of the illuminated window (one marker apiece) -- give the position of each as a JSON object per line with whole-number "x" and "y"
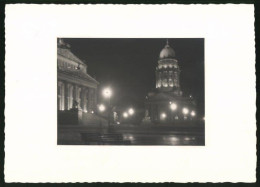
{"x": 165, "y": 83}
{"x": 170, "y": 82}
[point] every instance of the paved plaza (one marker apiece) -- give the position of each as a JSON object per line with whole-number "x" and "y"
{"x": 181, "y": 134}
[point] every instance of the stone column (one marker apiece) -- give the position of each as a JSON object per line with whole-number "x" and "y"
{"x": 86, "y": 99}
{"x": 95, "y": 98}
{"x": 82, "y": 98}
{"x": 79, "y": 96}
{"x": 90, "y": 99}
{"x": 58, "y": 96}
{"x": 66, "y": 95}
{"x": 74, "y": 93}
{"x": 62, "y": 96}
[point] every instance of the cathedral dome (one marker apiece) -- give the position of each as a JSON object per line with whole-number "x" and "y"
{"x": 167, "y": 52}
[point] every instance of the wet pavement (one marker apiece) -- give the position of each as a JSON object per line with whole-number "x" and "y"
{"x": 156, "y": 135}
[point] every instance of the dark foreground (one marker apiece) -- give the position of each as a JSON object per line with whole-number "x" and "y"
{"x": 132, "y": 135}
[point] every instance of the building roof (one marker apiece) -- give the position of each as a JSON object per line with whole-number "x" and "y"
{"x": 69, "y": 55}
{"x": 64, "y": 50}
{"x": 167, "y": 52}
{"x": 78, "y": 74}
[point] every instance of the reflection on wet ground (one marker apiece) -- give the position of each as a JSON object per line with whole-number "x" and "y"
{"x": 164, "y": 139}
{"x": 131, "y": 136}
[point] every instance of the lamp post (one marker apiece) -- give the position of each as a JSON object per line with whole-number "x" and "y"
{"x": 193, "y": 114}
{"x": 185, "y": 111}
{"x": 173, "y": 107}
{"x": 131, "y": 111}
{"x": 163, "y": 116}
{"x": 102, "y": 108}
{"x": 125, "y": 114}
{"x": 107, "y": 93}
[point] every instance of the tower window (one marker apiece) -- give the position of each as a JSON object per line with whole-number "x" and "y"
{"x": 170, "y": 82}
{"x": 165, "y": 83}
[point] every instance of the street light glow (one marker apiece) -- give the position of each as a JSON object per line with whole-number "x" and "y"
{"x": 173, "y": 106}
{"x": 102, "y": 108}
{"x": 185, "y": 111}
{"x": 193, "y": 113}
{"x": 107, "y": 92}
{"x": 131, "y": 111}
{"x": 163, "y": 115}
{"x": 125, "y": 114}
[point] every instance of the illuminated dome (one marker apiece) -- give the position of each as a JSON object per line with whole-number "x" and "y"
{"x": 167, "y": 52}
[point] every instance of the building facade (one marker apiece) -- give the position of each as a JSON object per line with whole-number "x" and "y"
{"x": 75, "y": 88}
{"x": 167, "y": 103}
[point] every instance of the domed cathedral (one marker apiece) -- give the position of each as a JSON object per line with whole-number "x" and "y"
{"x": 166, "y": 103}
{"x": 168, "y": 72}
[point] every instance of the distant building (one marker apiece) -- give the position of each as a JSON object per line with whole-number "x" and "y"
{"x": 75, "y": 85}
{"x": 167, "y": 103}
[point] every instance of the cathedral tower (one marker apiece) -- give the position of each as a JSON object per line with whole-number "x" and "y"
{"x": 168, "y": 72}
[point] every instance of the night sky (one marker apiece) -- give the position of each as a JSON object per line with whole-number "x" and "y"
{"x": 128, "y": 65}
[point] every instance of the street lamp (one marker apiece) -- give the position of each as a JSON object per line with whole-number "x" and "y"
{"x": 173, "y": 106}
{"x": 131, "y": 111}
{"x": 193, "y": 113}
{"x": 125, "y": 114}
{"x": 185, "y": 111}
{"x": 107, "y": 93}
{"x": 102, "y": 108}
{"x": 163, "y": 116}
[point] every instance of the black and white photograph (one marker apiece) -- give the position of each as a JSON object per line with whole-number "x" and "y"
{"x": 130, "y": 91}
{"x": 136, "y": 93}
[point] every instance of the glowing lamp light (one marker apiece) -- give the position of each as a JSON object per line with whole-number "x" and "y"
{"x": 92, "y": 112}
{"x": 185, "y": 111}
{"x": 163, "y": 115}
{"x": 193, "y": 113}
{"x": 131, "y": 111}
{"x": 107, "y": 92}
{"x": 173, "y": 106}
{"x": 125, "y": 114}
{"x": 101, "y": 108}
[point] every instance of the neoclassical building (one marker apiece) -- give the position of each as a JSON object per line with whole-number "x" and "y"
{"x": 167, "y": 103}
{"x": 74, "y": 83}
